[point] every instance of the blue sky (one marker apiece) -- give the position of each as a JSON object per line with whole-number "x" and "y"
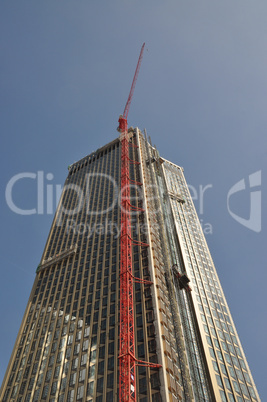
{"x": 65, "y": 74}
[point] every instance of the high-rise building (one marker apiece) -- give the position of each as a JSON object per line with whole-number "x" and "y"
{"x": 67, "y": 346}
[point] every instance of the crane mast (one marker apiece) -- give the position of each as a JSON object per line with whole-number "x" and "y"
{"x": 127, "y": 359}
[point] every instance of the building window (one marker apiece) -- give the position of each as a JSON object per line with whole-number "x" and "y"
{"x": 73, "y": 379}
{"x": 83, "y": 359}
{"x": 76, "y": 349}
{"x": 45, "y": 392}
{"x": 223, "y": 396}
{"x": 85, "y": 345}
{"x": 82, "y": 375}
{"x": 74, "y": 364}
{"x": 70, "y": 397}
{"x": 80, "y": 392}
{"x": 90, "y": 388}
{"x": 36, "y": 395}
{"x": 54, "y": 388}
{"x": 142, "y": 385}
{"x": 100, "y": 382}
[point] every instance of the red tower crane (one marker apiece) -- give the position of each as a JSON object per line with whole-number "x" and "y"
{"x": 127, "y": 359}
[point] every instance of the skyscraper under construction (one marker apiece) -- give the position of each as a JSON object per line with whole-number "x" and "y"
{"x": 68, "y": 346}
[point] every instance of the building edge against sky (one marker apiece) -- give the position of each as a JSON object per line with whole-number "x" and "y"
{"x": 67, "y": 346}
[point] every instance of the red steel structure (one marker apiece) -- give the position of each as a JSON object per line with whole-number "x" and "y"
{"x": 127, "y": 359}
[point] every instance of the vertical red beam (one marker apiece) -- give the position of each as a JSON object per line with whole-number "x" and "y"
{"x": 127, "y": 386}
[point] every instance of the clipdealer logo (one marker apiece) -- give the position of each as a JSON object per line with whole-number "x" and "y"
{"x": 45, "y": 193}
{"x": 48, "y": 196}
{"x": 254, "y": 220}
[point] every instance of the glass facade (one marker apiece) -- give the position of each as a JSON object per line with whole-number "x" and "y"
{"x": 67, "y": 346}
{"x": 226, "y": 356}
